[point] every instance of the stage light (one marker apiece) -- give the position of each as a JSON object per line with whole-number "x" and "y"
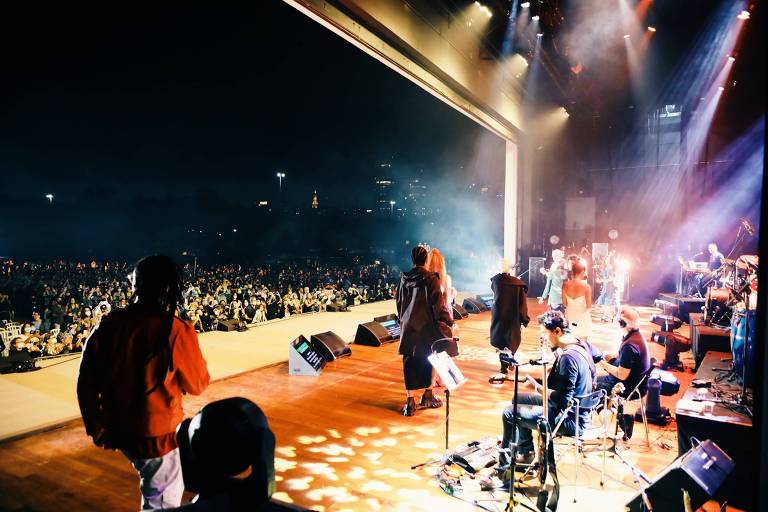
{"x": 535, "y": 18}
{"x": 485, "y": 9}
{"x": 626, "y": 36}
{"x": 49, "y": 197}
{"x": 651, "y": 28}
{"x": 731, "y": 58}
{"x": 525, "y": 5}
{"x": 540, "y": 34}
{"x": 743, "y": 15}
{"x": 721, "y": 88}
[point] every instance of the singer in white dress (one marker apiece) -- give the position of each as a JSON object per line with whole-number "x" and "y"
{"x": 577, "y": 299}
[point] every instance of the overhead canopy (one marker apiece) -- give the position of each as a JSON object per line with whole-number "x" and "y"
{"x": 439, "y": 49}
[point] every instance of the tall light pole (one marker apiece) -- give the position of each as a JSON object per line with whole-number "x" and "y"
{"x": 392, "y": 207}
{"x": 49, "y": 197}
{"x": 280, "y": 177}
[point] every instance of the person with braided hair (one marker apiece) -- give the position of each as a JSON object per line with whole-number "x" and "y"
{"x": 136, "y": 365}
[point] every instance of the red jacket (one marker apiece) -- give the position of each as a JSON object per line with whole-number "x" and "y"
{"x": 118, "y": 369}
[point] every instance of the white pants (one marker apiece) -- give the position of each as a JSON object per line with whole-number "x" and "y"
{"x": 160, "y": 480}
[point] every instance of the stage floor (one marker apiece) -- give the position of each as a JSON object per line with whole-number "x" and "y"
{"x": 45, "y": 398}
{"x": 342, "y": 442}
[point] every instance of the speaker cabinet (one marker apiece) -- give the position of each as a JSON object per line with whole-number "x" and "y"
{"x": 459, "y": 312}
{"x": 473, "y": 306}
{"x": 372, "y": 334}
{"x": 227, "y": 325}
{"x": 700, "y": 471}
{"x": 331, "y": 345}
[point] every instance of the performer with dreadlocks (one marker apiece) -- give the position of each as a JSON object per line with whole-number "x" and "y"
{"x": 135, "y": 367}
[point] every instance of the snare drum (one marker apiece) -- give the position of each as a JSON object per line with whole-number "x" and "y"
{"x": 717, "y": 306}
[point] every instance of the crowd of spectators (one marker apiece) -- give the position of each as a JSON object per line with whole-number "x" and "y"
{"x": 59, "y": 303}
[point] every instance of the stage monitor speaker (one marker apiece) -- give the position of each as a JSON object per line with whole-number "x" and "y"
{"x": 473, "y": 306}
{"x": 385, "y": 318}
{"x": 331, "y": 345}
{"x": 227, "y": 325}
{"x": 372, "y": 334}
{"x": 459, "y": 312}
{"x": 700, "y": 471}
{"x": 536, "y": 280}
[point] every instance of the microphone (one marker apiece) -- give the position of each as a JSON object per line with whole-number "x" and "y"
{"x": 748, "y": 227}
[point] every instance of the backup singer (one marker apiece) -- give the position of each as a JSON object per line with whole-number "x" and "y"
{"x": 553, "y": 291}
{"x": 421, "y": 308}
{"x": 136, "y": 365}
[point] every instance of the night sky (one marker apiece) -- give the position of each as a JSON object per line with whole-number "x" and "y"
{"x": 182, "y": 101}
{"x": 147, "y": 122}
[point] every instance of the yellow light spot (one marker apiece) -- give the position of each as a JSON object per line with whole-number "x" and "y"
{"x": 389, "y": 441}
{"x": 337, "y": 494}
{"x": 286, "y": 451}
{"x": 397, "y": 474}
{"x": 310, "y": 440}
{"x": 321, "y": 468}
{"x": 357, "y": 473}
{"x": 375, "y": 485}
{"x": 282, "y": 465}
{"x": 332, "y": 449}
{"x": 282, "y": 497}
{"x": 299, "y": 484}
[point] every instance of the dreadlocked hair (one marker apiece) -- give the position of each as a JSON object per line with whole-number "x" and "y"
{"x": 158, "y": 282}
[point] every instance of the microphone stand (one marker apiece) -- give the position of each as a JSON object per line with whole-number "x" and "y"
{"x": 513, "y": 446}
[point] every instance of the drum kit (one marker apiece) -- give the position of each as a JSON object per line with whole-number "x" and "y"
{"x": 735, "y": 289}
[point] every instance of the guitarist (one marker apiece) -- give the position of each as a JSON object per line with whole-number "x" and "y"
{"x": 571, "y": 376}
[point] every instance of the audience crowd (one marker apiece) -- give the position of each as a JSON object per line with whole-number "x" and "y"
{"x": 58, "y": 304}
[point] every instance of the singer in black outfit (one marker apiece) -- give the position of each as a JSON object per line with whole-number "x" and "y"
{"x": 509, "y": 311}
{"x": 420, "y": 308}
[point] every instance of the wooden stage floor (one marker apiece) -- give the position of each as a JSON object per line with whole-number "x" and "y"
{"x": 342, "y": 443}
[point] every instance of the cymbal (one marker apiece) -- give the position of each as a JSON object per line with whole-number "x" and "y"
{"x": 727, "y": 261}
{"x": 747, "y": 261}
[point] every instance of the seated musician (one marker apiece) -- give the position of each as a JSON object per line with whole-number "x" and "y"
{"x": 572, "y": 375}
{"x": 632, "y": 362}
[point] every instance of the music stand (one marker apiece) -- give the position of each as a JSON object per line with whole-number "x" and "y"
{"x": 452, "y": 378}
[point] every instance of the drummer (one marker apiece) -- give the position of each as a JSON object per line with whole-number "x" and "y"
{"x": 715, "y": 257}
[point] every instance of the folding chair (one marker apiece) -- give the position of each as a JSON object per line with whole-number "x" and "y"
{"x": 639, "y": 397}
{"x": 590, "y": 434}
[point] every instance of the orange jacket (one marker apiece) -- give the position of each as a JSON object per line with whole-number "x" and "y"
{"x": 118, "y": 369}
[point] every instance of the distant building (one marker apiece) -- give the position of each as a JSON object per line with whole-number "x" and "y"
{"x": 385, "y": 189}
{"x": 415, "y": 197}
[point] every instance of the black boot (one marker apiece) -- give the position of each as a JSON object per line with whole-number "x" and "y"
{"x": 409, "y": 409}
